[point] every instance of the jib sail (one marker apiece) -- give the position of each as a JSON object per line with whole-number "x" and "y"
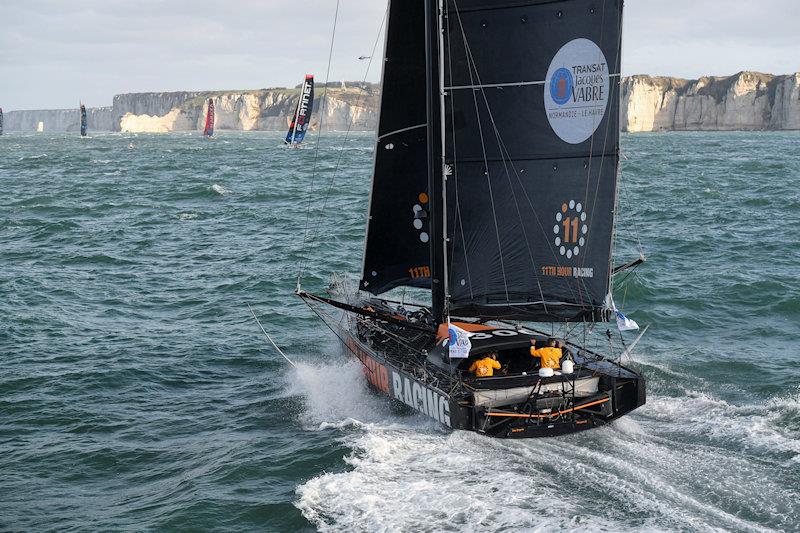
{"x": 84, "y": 122}
{"x": 302, "y": 116}
{"x": 208, "y": 131}
{"x": 531, "y": 143}
{"x": 397, "y": 250}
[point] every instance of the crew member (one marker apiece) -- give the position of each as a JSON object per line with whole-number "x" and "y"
{"x": 550, "y": 355}
{"x": 484, "y": 368}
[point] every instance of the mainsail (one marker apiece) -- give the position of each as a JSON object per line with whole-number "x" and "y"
{"x": 208, "y": 131}
{"x": 522, "y": 158}
{"x": 302, "y": 115}
{"x": 1, "y": 120}
{"x": 84, "y": 125}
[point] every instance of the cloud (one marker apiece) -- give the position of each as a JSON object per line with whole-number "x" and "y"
{"x": 56, "y": 52}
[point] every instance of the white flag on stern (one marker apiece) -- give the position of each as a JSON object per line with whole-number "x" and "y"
{"x": 623, "y": 323}
{"x": 459, "y": 344}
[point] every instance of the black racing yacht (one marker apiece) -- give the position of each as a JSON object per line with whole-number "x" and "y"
{"x": 494, "y": 190}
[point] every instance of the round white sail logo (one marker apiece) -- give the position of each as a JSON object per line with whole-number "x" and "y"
{"x": 576, "y": 90}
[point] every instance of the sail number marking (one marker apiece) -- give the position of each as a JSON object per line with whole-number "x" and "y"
{"x": 419, "y": 272}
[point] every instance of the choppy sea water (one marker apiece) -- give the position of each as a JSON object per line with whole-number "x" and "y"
{"x": 136, "y": 393}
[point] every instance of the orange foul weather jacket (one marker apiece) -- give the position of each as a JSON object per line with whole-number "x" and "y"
{"x": 485, "y": 367}
{"x": 551, "y": 357}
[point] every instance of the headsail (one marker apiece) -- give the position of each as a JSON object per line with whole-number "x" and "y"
{"x": 84, "y": 123}
{"x": 208, "y": 131}
{"x": 302, "y": 115}
{"x": 397, "y": 248}
{"x": 531, "y": 143}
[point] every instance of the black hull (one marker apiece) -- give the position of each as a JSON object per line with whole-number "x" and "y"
{"x": 621, "y": 391}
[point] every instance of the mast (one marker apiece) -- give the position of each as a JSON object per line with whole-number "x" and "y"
{"x": 435, "y": 162}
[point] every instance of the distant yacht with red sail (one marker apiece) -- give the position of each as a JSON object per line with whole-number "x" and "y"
{"x": 302, "y": 115}
{"x": 208, "y": 131}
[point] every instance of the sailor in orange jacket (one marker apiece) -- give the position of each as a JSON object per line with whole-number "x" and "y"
{"x": 484, "y": 368}
{"x": 550, "y": 355}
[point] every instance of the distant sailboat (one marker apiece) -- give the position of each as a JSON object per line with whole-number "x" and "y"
{"x": 1, "y": 120}
{"x": 208, "y": 131}
{"x": 40, "y": 127}
{"x": 84, "y": 124}
{"x": 300, "y": 121}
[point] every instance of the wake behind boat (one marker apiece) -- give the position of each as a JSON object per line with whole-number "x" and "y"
{"x": 503, "y": 224}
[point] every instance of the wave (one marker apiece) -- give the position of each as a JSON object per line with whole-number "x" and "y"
{"x": 694, "y": 462}
{"x": 219, "y": 189}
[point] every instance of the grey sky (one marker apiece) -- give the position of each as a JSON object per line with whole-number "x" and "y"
{"x": 55, "y": 52}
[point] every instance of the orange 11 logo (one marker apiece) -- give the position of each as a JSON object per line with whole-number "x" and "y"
{"x": 570, "y": 229}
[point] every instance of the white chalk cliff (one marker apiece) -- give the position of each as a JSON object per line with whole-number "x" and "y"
{"x": 745, "y": 101}
{"x": 268, "y": 109}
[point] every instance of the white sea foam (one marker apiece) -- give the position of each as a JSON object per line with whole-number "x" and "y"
{"x": 336, "y": 395}
{"x": 32, "y": 157}
{"x": 219, "y": 189}
{"x": 646, "y": 472}
{"x": 188, "y": 216}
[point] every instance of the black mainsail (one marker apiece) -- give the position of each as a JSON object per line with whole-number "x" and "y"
{"x": 495, "y": 187}
{"x": 1, "y": 120}
{"x": 531, "y": 143}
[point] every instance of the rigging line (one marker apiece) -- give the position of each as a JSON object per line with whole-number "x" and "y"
{"x": 615, "y": 89}
{"x": 455, "y": 166}
{"x": 504, "y": 152}
{"x": 615, "y": 205}
{"x": 319, "y": 138}
{"x": 510, "y": 183}
{"x": 321, "y": 313}
{"x": 347, "y": 136}
{"x": 591, "y": 156}
{"x": 624, "y": 189}
{"x": 270, "y": 338}
{"x": 470, "y": 65}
